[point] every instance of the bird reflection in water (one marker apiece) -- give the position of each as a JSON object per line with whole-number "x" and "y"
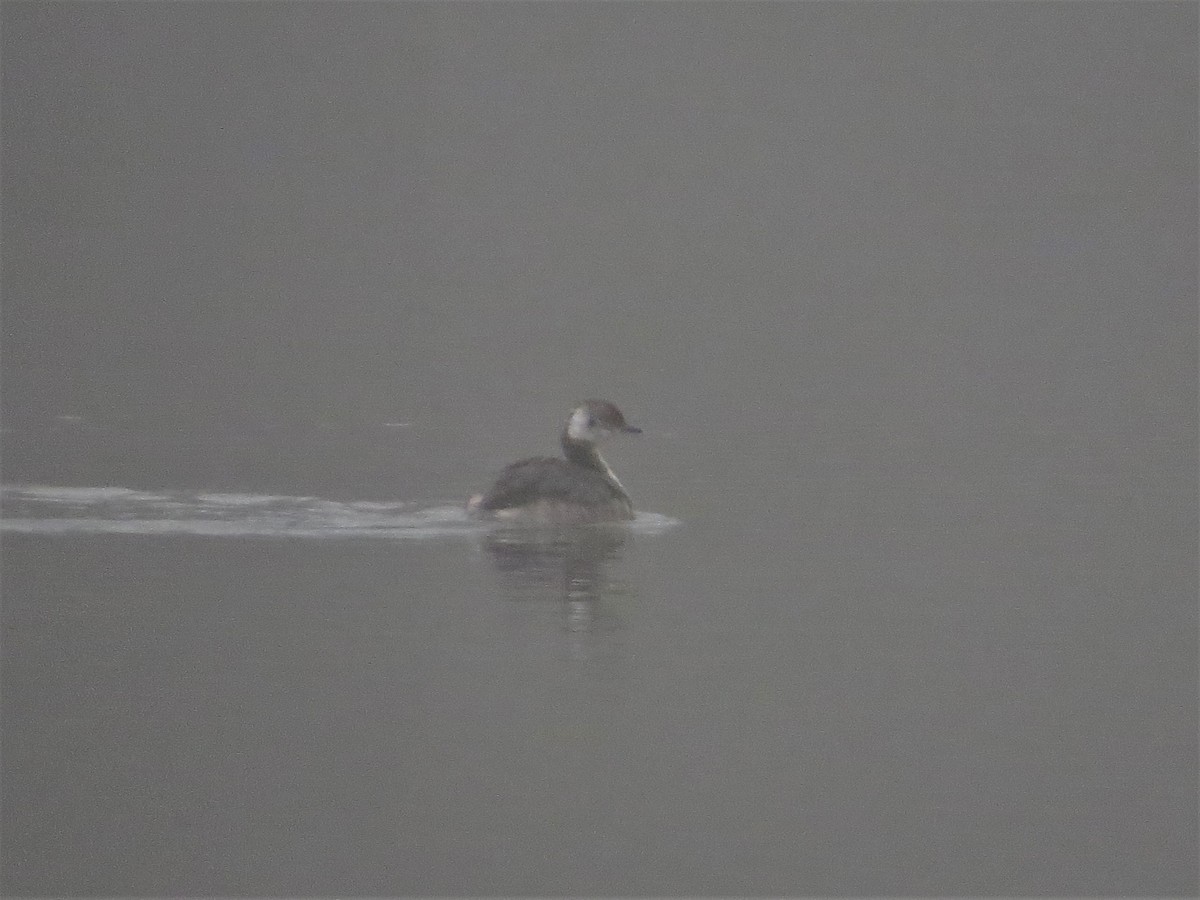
{"x": 566, "y": 565}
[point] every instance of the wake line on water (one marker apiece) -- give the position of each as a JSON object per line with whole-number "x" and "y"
{"x": 43, "y": 509}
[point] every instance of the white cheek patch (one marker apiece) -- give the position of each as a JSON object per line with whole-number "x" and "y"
{"x": 577, "y": 426}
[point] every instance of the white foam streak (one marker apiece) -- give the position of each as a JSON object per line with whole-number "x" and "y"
{"x": 43, "y": 509}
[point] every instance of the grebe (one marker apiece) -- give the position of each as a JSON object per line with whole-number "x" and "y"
{"x": 578, "y": 489}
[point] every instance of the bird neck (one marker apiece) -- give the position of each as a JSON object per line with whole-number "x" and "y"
{"x": 584, "y": 453}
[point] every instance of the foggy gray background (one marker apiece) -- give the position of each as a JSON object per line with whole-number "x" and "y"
{"x": 904, "y": 298}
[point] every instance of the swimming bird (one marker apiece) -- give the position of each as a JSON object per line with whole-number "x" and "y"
{"x": 578, "y": 488}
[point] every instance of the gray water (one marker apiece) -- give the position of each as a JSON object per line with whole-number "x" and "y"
{"x": 902, "y": 295}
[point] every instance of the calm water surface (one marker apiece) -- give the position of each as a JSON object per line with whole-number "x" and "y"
{"x": 903, "y": 297}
